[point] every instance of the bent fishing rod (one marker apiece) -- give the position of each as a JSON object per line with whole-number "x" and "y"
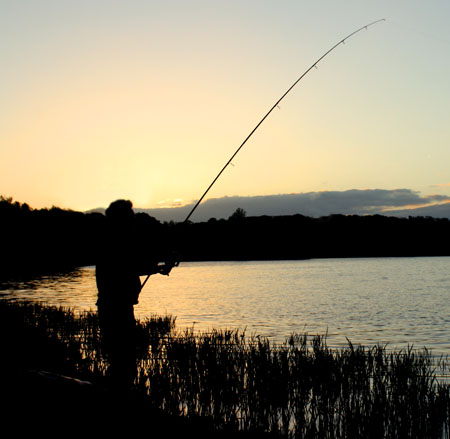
{"x": 314, "y": 65}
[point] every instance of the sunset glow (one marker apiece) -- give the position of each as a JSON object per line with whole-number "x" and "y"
{"x": 148, "y": 100}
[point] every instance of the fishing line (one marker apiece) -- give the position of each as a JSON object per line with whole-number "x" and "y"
{"x": 314, "y": 65}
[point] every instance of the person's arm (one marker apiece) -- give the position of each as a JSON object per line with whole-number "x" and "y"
{"x": 156, "y": 268}
{"x": 147, "y": 268}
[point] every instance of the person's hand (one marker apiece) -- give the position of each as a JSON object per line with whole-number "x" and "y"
{"x": 166, "y": 268}
{"x": 174, "y": 259}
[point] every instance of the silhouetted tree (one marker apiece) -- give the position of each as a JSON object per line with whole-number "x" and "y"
{"x": 238, "y": 214}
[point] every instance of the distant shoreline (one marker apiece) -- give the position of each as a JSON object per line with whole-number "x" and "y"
{"x": 46, "y": 240}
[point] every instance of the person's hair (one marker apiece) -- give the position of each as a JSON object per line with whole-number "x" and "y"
{"x": 120, "y": 209}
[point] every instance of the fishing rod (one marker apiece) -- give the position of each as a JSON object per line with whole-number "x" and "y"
{"x": 314, "y": 65}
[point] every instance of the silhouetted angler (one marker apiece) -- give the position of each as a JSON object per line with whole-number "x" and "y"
{"x": 121, "y": 260}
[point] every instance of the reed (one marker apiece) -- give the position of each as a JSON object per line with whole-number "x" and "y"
{"x": 298, "y": 389}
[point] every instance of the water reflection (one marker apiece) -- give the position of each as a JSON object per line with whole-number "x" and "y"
{"x": 75, "y": 289}
{"x": 394, "y": 301}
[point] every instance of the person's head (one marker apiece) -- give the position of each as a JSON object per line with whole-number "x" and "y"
{"x": 120, "y": 211}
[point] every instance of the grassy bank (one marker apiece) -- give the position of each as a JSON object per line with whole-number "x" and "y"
{"x": 230, "y": 381}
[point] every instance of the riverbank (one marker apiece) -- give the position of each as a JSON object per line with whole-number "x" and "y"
{"x": 40, "y": 402}
{"x": 51, "y": 384}
{"x": 206, "y": 384}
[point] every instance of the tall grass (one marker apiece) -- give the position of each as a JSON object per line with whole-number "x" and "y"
{"x": 298, "y": 389}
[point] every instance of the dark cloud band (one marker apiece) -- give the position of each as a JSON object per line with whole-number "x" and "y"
{"x": 397, "y": 202}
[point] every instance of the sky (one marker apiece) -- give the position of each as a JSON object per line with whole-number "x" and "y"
{"x": 147, "y": 100}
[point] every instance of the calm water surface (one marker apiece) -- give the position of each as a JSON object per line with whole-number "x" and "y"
{"x": 398, "y": 301}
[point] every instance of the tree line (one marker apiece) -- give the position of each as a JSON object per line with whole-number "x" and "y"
{"x": 42, "y": 240}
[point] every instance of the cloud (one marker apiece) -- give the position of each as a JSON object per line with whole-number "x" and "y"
{"x": 434, "y": 210}
{"x": 397, "y": 202}
{"x": 178, "y": 202}
{"x": 441, "y": 185}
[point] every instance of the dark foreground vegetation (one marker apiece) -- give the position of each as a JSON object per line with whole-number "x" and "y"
{"x": 42, "y": 240}
{"x": 213, "y": 385}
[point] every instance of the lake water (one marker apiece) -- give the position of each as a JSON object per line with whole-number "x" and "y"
{"x": 398, "y": 301}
